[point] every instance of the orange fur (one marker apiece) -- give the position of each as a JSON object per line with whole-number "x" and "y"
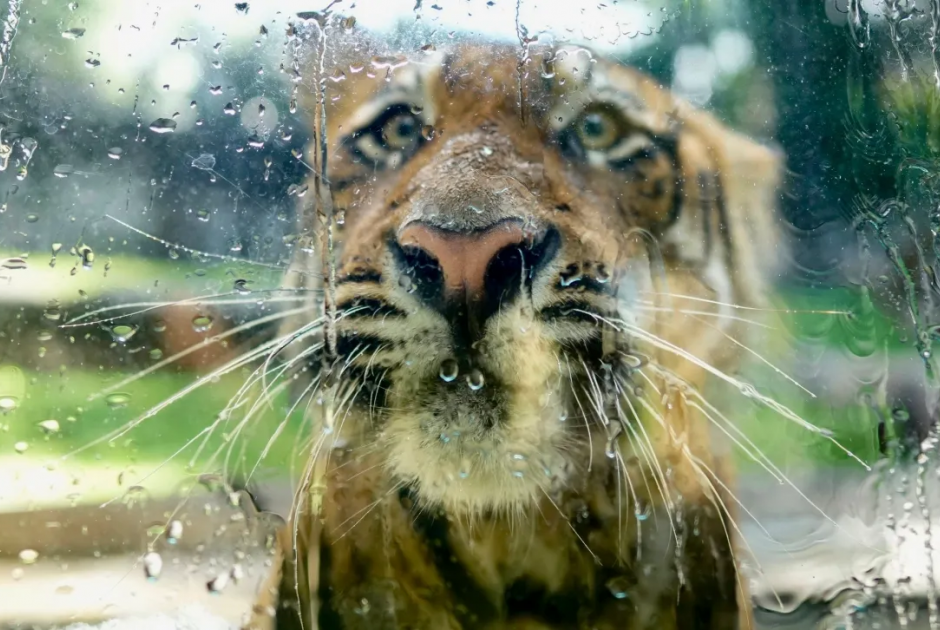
{"x": 616, "y": 517}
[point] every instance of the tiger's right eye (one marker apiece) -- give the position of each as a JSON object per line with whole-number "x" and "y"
{"x": 391, "y": 138}
{"x": 598, "y": 130}
{"x": 400, "y": 132}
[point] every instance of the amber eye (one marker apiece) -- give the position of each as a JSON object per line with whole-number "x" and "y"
{"x": 598, "y": 129}
{"x": 400, "y": 132}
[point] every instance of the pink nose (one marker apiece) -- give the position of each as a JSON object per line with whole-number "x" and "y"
{"x": 462, "y": 256}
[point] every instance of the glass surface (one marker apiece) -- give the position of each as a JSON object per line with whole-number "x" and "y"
{"x": 500, "y": 314}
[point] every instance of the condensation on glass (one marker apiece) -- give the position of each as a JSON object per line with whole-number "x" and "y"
{"x": 178, "y": 185}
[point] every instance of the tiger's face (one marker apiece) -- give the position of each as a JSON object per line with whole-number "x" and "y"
{"x": 515, "y": 238}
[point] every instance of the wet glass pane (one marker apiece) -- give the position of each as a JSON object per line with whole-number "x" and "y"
{"x": 469, "y": 314}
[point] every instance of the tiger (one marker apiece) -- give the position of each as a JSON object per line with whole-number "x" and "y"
{"x": 536, "y": 253}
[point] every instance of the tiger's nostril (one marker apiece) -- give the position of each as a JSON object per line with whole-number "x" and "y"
{"x": 471, "y": 274}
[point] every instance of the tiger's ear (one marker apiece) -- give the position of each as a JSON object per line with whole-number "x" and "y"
{"x": 750, "y": 174}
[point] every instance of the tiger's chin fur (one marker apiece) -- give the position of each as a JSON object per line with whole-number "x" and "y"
{"x": 533, "y": 282}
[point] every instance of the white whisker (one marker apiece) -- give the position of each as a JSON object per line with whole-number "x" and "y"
{"x": 190, "y": 250}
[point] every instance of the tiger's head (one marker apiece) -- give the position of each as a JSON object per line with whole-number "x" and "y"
{"x": 517, "y": 237}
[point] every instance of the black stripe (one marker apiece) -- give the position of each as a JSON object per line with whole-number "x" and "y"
{"x": 475, "y": 609}
{"x": 340, "y": 185}
{"x": 366, "y": 307}
{"x": 562, "y": 609}
{"x": 572, "y": 277}
{"x": 372, "y": 395}
{"x": 587, "y": 349}
{"x": 709, "y": 187}
{"x": 361, "y": 276}
{"x": 348, "y": 343}
{"x": 670, "y": 144}
{"x": 723, "y": 223}
{"x": 328, "y": 616}
{"x": 667, "y": 144}
{"x": 569, "y": 311}
{"x": 627, "y": 163}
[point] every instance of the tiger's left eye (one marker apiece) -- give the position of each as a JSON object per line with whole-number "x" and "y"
{"x": 598, "y": 129}
{"x": 400, "y": 132}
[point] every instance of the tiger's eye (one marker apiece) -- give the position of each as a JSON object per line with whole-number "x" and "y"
{"x": 400, "y": 132}
{"x": 597, "y": 130}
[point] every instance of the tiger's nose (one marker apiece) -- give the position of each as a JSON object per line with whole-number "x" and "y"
{"x": 472, "y": 273}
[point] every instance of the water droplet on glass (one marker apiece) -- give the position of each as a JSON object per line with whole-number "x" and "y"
{"x": 389, "y": 62}
{"x": 53, "y": 313}
{"x": 205, "y": 162}
{"x": 8, "y": 404}
{"x": 63, "y": 170}
{"x": 153, "y": 565}
{"x": 92, "y": 63}
{"x": 115, "y": 153}
{"x": 203, "y": 215}
{"x": 449, "y": 370}
{"x": 241, "y": 287}
{"x": 610, "y": 449}
{"x": 73, "y": 33}
{"x": 475, "y": 379}
{"x": 117, "y": 400}
{"x": 156, "y": 354}
{"x": 13, "y": 264}
{"x": 174, "y": 254}
{"x": 619, "y": 587}
{"x": 218, "y": 583}
{"x": 87, "y": 255}
{"x": 174, "y": 532}
{"x": 348, "y": 23}
{"x": 49, "y": 426}
{"x": 163, "y": 125}
{"x": 229, "y": 109}
{"x": 123, "y": 332}
{"x": 548, "y": 68}
{"x": 28, "y": 556}
{"x": 202, "y": 323}
{"x": 21, "y": 447}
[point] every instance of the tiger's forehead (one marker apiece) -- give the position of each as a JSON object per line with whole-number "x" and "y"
{"x": 553, "y": 84}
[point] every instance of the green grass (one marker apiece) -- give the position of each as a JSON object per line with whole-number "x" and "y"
{"x": 65, "y": 399}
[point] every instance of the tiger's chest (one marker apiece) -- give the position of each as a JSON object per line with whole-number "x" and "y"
{"x": 574, "y": 562}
